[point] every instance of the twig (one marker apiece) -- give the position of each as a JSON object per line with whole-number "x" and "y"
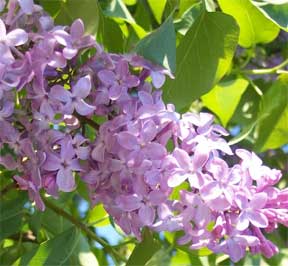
{"x": 86, "y": 120}
{"x": 25, "y": 237}
{"x": 84, "y": 228}
{"x": 273, "y": 70}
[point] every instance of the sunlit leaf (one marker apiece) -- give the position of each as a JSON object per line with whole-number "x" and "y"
{"x": 278, "y": 13}
{"x": 210, "y": 5}
{"x": 98, "y": 216}
{"x": 254, "y": 26}
{"x": 181, "y": 258}
{"x": 224, "y": 98}
{"x": 157, "y": 8}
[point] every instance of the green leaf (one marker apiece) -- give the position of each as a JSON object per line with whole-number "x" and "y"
{"x": 98, "y": 216}
{"x": 82, "y": 255}
{"x": 144, "y": 250}
{"x": 224, "y": 98}
{"x": 276, "y": 13}
{"x": 56, "y": 251}
{"x": 273, "y": 130}
{"x": 113, "y": 30}
{"x": 54, "y": 223}
{"x": 203, "y": 57}
{"x": 175, "y": 195}
{"x": 35, "y": 223}
{"x": 164, "y": 54}
{"x": 117, "y": 9}
{"x": 8, "y": 255}
{"x": 248, "y": 107}
{"x": 279, "y": 259}
{"x": 184, "y": 5}
{"x": 110, "y": 35}
{"x": 130, "y": 2}
{"x": 51, "y": 7}
{"x": 202, "y": 252}
{"x": 82, "y": 188}
{"x": 210, "y": 5}
{"x": 70, "y": 10}
{"x": 11, "y": 215}
{"x": 160, "y": 258}
{"x": 254, "y": 26}
{"x": 101, "y": 256}
{"x": 245, "y": 132}
{"x": 180, "y": 258}
{"x": 157, "y": 8}
{"x": 142, "y": 16}
{"x": 183, "y": 24}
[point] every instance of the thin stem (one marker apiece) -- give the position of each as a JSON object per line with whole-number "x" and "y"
{"x": 254, "y": 86}
{"x": 131, "y": 241}
{"x": 86, "y": 120}
{"x": 99, "y": 221}
{"x": 84, "y": 228}
{"x": 273, "y": 70}
{"x": 7, "y": 189}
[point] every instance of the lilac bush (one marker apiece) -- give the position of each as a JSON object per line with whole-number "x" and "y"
{"x": 142, "y": 151}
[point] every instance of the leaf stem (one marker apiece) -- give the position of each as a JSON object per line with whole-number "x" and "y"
{"x": 273, "y": 70}
{"x": 85, "y": 229}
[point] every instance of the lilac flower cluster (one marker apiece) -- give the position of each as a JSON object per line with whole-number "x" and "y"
{"x": 144, "y": 149}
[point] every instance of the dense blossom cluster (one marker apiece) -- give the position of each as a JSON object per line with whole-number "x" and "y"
{"x": 50, "y": 100}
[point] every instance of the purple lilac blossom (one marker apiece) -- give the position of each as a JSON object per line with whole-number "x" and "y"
{"x": 142, "y": 151}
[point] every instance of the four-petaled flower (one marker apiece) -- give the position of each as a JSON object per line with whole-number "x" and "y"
{"x": 74, "y": 99}
{"x": 251, "y": 211}
{"x": 119, "y": 80}
{"x": 64, "y": 165}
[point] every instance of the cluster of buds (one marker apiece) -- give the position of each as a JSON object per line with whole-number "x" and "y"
{"x": 131, "y": 162}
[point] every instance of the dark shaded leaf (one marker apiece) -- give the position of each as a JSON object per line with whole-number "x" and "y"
{"x": 160, "y": 258}
{"x": 70, "y": 10}
{"x": 11, "y": 215}
{"x": 56, "y": 251}
{"x": 273, "y": 128}
{"x": 160, "y": 45}
{"x": 110, "y": 35}
{"x": 144, "y": 250}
